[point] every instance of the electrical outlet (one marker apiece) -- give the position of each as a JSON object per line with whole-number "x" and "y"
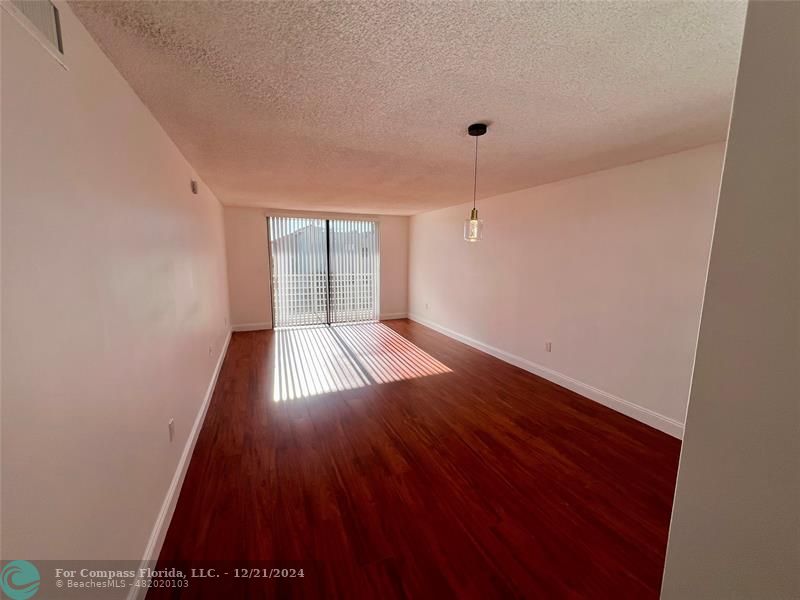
{"x": 171, "y": 426}
{"x": 427, "y": 306}
{"x": 548, "y": 346}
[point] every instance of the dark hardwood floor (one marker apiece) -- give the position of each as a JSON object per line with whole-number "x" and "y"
{"x": 479, "y": 480}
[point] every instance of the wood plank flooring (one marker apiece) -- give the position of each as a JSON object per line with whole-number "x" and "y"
{"x": 477, "y": 481}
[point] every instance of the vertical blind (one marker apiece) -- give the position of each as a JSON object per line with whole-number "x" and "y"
{"x": 354, "y": 271}
{"x": 323, "y": 271}
{"x": 299, "y": 271}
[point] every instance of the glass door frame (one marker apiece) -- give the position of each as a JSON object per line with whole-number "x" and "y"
{"x": 376, "y": 264}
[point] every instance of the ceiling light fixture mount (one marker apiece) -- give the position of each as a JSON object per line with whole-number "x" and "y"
{"x": 477, "y": 129}
{"x": 473, "y": 227}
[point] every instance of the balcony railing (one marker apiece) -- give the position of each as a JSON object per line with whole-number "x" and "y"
{"x": 302, "y": 298}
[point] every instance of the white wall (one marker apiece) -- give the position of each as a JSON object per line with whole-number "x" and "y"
{"x": 114, "y": 303}
{"x": 247, "y": 251}
{"x": 248, "y": 266}
{"x": 394, "y": 266}
{"x": 609, "y": 267}
{"x": 736, "y": 523}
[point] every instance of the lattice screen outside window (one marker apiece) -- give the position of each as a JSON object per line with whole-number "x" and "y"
{"x": 323, "y": 271}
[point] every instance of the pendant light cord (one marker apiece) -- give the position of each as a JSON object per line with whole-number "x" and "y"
{"x": 475, "y": 177}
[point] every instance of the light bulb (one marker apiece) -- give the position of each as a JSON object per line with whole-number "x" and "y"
{"x": 473, "y": 227}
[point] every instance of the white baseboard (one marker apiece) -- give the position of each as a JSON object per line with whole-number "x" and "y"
{"x": 153, "y": 548}
{"x": 252, "y": 327}
{"x": 645, "y": 415}
{"x": 390, "y": 316}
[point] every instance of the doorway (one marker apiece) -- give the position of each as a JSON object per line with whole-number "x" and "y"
{"x": 323, "y": 271}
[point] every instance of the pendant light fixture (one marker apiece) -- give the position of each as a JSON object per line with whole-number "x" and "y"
{"x": 473, "y": 227}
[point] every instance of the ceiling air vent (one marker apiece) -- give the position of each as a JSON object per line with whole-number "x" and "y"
{"x": 44, "y": 17}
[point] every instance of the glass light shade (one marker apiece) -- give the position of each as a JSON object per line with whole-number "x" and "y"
{"x": 473, "y": 227}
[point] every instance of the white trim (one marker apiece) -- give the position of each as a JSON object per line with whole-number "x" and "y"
{"x": 640, "y": 413}
{"x": 252, "y": 327}
{"x": 390, "y": 316}
{"x": 153, "y": 548}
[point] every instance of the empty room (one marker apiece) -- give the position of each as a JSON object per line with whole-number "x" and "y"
{"x": 387, "y": 299}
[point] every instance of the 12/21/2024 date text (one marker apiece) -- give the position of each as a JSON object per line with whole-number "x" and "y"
{"x": 256, "y": 573}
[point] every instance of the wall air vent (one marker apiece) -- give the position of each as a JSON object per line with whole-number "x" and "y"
{"x": 42, "y": 16}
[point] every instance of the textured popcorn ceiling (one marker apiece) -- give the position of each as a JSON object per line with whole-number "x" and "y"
{"x": 363, "y": 106}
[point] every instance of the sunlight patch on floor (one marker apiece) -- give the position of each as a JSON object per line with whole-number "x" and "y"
{"x": 319, "y": 360}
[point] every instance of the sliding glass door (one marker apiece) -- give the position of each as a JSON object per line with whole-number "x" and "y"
{"x": 323, "y": 271}
{"x": 299, "y": 261}
{"x": 354, "y": 271}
